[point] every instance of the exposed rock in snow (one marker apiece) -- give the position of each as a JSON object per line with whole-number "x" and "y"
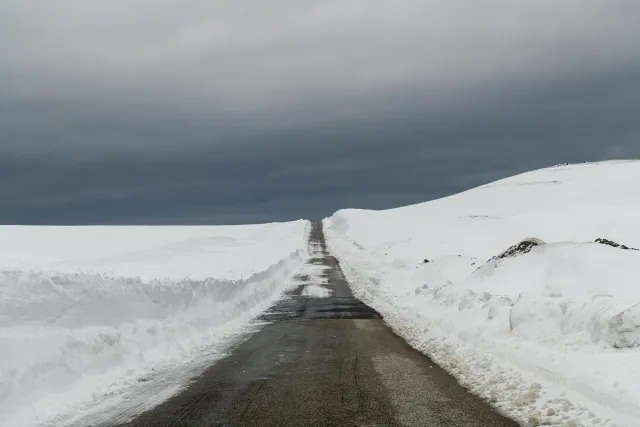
{"x": 524, "y": 247}
{"x": 614, "y": 244}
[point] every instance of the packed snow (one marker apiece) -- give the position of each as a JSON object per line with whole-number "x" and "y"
{"x": 316, "y": 291}
{"x": 550, "y": 332}
{"x": 313, "y": 275}
{"x": 90, "y": 312}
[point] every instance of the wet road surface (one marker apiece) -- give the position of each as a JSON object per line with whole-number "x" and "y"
{"x": 322, "y": 362}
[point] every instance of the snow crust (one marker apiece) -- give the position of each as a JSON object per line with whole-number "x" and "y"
{"x": 550, "y": 337}
{"x": 89, "y": 312}
{"x": 313, "y": 274}
{"x": 316, "y": 291}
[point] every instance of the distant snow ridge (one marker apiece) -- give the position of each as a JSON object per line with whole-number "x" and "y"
{"x": 69, "y": 340}
{"x": 547, "y": 332}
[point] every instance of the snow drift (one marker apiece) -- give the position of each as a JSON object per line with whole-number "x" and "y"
{"x": 88, "y": 311}
{"x": 548, "y": 332}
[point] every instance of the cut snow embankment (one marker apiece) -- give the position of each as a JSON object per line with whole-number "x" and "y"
{"x": 87, "y": 312}
{"x": 550, "y": 334}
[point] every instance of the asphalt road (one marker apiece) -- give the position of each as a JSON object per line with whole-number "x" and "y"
{"x": 323, "y": 362}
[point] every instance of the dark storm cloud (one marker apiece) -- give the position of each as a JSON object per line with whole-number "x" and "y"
{"x": 232, "y": 112}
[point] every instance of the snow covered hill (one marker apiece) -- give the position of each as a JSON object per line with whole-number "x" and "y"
{"x": 87, "y": 312}
{"x": 550, "y": 333}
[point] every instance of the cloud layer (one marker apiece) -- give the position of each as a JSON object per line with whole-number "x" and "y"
{"x": 240, "y": 111}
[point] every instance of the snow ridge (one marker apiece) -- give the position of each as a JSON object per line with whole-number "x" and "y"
{"x": 550, "y": 334}
{"x": 72, "y": 339}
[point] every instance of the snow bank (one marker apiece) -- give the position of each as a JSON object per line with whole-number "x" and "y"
{"x": 87, "y": 311}
{"x": 549, "y": 335}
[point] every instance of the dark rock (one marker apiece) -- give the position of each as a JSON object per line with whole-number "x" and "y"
{"x": 614, "y": 244}
{"x": 523, "y": 247}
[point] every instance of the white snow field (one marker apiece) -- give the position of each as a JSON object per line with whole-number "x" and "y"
{"x": 550, "y": 337}
{"x": 89, "y": 312}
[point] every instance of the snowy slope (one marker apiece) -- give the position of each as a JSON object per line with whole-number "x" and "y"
{"x": 552, "y": 336}
{"x": 86, "y": 312}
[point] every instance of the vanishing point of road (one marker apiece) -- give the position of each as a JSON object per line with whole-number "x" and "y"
{"x": 322, "y": 362}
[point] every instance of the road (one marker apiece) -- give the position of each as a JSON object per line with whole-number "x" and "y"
{"x": 323, "y": 362}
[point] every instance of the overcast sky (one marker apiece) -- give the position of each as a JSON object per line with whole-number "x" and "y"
{"x": 235, "y": 111}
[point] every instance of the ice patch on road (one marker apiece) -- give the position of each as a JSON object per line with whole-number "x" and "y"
{"x": 313, "y": 275}
{"x": 316, "y": 291}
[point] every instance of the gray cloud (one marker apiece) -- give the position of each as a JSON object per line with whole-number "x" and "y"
{"x": 239, "y": 111}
